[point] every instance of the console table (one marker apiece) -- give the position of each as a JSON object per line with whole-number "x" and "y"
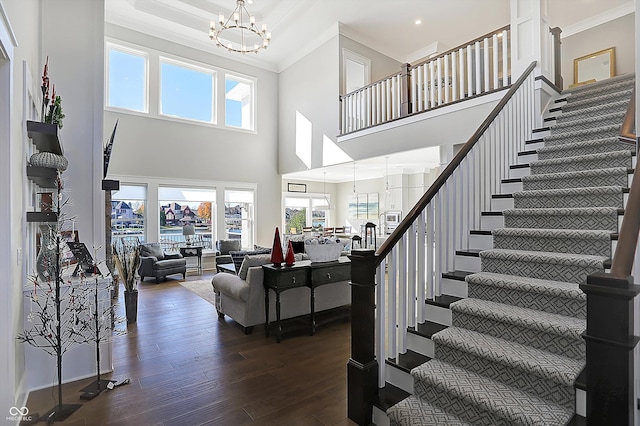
{"x": 193, "y": 251}
{"x": 301, "y": 274}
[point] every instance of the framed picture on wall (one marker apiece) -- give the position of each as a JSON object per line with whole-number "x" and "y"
{"x": 372, "y": 205}
{"x": 296, "y": 187}
{"x": 362, "y": 206}
{"x": 353, "y": 207}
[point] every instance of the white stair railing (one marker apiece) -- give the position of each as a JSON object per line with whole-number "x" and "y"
{"x": 440, "y": 223}
{"x": 475, "y": 68}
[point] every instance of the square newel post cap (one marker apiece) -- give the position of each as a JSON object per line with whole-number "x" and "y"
{"x": 363, "y": 267}
{"x": 602, "y": 283}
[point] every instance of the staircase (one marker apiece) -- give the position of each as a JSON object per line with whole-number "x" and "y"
{"x": 505, "y": 335}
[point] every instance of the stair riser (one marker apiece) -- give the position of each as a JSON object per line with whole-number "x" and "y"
{"x": 518, "y": 173}
{"x": 399, "y": 378}
{"x": 536, "y": 145}
{"x": 480, "y": 242}
{"x": 526, "y": 159}
{"x": 489, "y": 223}
{"x": 380, "y": 417}
{"x": 467, "y": 263}
{"x": 438, "y": 314}
{"x": 499, "y": 204}
{"x": 420, "y": 344}
{"x": 546, "y": 389}
{"x": 553, "y": 304}
{"x": 572, "y": 346}
{"x": 454, "y": 287}
{"x": 545, "y": 271}
{"x": 510, "y": 188}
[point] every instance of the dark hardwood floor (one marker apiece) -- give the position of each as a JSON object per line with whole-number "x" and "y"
{"x": 187, "y": 367}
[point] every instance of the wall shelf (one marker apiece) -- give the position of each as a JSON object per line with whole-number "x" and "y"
{"x": 44, "y": 136}
{"x": 44, "y": 177}
{"x": 42, "y": 217}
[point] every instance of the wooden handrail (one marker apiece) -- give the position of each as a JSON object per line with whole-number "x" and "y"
{"x": 557, "y": 56}
{"x": 416, "y": 211}
{"x": 622, "y": 262}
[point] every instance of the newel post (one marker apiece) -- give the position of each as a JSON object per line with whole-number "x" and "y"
{"x": 405, "y": 90}
{"x": 610, "y": 345}
{"x": 362, "y": 368}
{"x": 557, "y": 57}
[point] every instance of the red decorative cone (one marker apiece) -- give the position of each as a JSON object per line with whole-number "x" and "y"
{"x": 276, "y": 251}
{"x": 290, "y": 259}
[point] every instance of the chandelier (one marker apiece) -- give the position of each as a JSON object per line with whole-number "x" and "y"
{"x": 239, "y": 32}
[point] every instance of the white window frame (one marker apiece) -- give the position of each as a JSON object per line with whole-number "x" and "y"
{"x": 252, "y": 82}
{"x": 130, "y": 51}
{"x": 309, "y": 197}
{"x": 199, "y": 68}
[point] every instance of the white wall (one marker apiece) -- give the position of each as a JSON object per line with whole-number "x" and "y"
{"x": 311, "y": 87}
{"x": 618, "y": 33}
{"x": 172, "y": 150}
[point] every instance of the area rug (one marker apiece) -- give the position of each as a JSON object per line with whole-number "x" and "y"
{"x": 202, "y": 288}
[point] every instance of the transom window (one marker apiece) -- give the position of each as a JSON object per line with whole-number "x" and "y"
{"x": 238, "y": 102}
{"x": 127, "y": 79}
{"x": 186, "y": 91}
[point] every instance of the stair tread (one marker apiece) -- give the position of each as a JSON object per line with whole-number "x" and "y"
{"x": 555, "y": 288}
{"x": 561, "y": 369}
{"x": 571, "y": 191}
{"x": 456, "y": 275}
{"x": 580, "y": 158}
{"x": 513, "y": 405}
{"x": 423, "y": 413}
{"x": 469, "y": 252}
{"x": 593, "y": 142}
{"x": 556, "y": 233}
{"x": 427, "y": 329}
{"x": 575, "y": 174}
{"x": 511, "y": 180}
{"x": 480, "y": 232}
{"x": 443, "y": 301}
{"x": 389, "y": 396}
{"x": 544, "y": 256}
{"x": 529, "y": 318}
{"x": 587, "y": 211}
{"x": 408, "y": 361}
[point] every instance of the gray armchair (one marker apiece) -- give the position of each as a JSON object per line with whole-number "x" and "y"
{"x": 224, "y": 249}
{"x": 155, "y": 263}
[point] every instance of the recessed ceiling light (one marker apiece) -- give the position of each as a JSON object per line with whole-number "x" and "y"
{"x": 418, "y": 21}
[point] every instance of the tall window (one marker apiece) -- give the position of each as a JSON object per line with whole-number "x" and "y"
{"x": 239, "y": 102}
{"x": 127, "y": 71}
{"x": 238, "y": 216}
{"x": 186, "y": 206}
{"x": 186, "y": 91}
{"x": 128, "y": 212}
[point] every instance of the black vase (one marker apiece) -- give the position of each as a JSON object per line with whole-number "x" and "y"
{"x": 131, "y": 305}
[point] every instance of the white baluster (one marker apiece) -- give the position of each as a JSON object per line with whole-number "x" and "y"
{"x": 402, "y": 295}
{"x": 411, "y": 276}
{"x": 454, "y": 76}
{"x": 421, "y": 264}
{"x": 469, "y": 71}
{"x": 438, "y": 244}
{"x": 383, "y": 101}
{"x": 391, "y": 295}
{"x": 424, "y": 70}
{"x": 430, "y": 229}
{"x": 445, "y": 86}
{"x": 416, "y": 77}
{"x": 486, "y": 64}
{"x": 495, "y": 61}
{"x": 461, "y": 68}
{"x": 440, "y": 82}
{"x": 477, "y": 60}
{"x": 432, "y": 86}
{"x": 506, "y": 66}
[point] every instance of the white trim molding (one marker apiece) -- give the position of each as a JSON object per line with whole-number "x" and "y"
{"x": 8, "y": 39}
{"x": 602, "y": 18}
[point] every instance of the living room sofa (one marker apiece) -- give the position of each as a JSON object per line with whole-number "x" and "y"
{"x": 154, "y": 262}
{"x": 241, "y": 296}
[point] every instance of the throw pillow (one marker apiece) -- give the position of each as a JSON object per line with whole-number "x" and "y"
{"x": 151, "y": 249}
{"x": 225, "y": 246}
{"x": 252, "y": 260}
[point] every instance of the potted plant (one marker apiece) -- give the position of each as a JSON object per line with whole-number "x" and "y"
{"x": 127, "y": 261}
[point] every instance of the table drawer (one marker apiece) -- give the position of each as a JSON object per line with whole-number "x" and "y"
{"x": 291, "y": 278}
{"x": 330, "y": 274}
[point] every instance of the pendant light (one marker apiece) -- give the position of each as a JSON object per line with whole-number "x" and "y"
{"x": 325, "y": 200}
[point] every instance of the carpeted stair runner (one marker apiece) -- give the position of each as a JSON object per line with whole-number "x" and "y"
{"x": 514, "y": 349}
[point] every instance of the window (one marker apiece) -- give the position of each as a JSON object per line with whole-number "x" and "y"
{"x": 186, "y": 206}
{"x": 186, "y": 91}
{"x": 128, "y": 212}
{"x": 300, "y": 212}
{"x": 127, "y": 73}
{"x": 238, "y": 216}
{"x": 239, "y": 100}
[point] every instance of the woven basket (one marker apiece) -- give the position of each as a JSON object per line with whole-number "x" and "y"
{"x": 323, "y": 252}
{"x": 50, "y": 160}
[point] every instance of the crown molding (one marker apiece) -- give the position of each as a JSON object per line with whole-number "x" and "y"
{"x": 602, "y": 18}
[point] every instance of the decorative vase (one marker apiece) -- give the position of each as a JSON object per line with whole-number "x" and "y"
{"x": 131, "y": 305}
{"x": 276, "y": 251}
{"x": 50, "y": 160}
{"x": 290, "y": 258}
{"x": 46, "y": 260}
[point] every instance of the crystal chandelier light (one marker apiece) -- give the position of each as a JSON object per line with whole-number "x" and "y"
{"x": 239, "y": 32}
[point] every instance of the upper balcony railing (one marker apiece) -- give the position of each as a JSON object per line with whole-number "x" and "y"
{"x": 481, "y": 66}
